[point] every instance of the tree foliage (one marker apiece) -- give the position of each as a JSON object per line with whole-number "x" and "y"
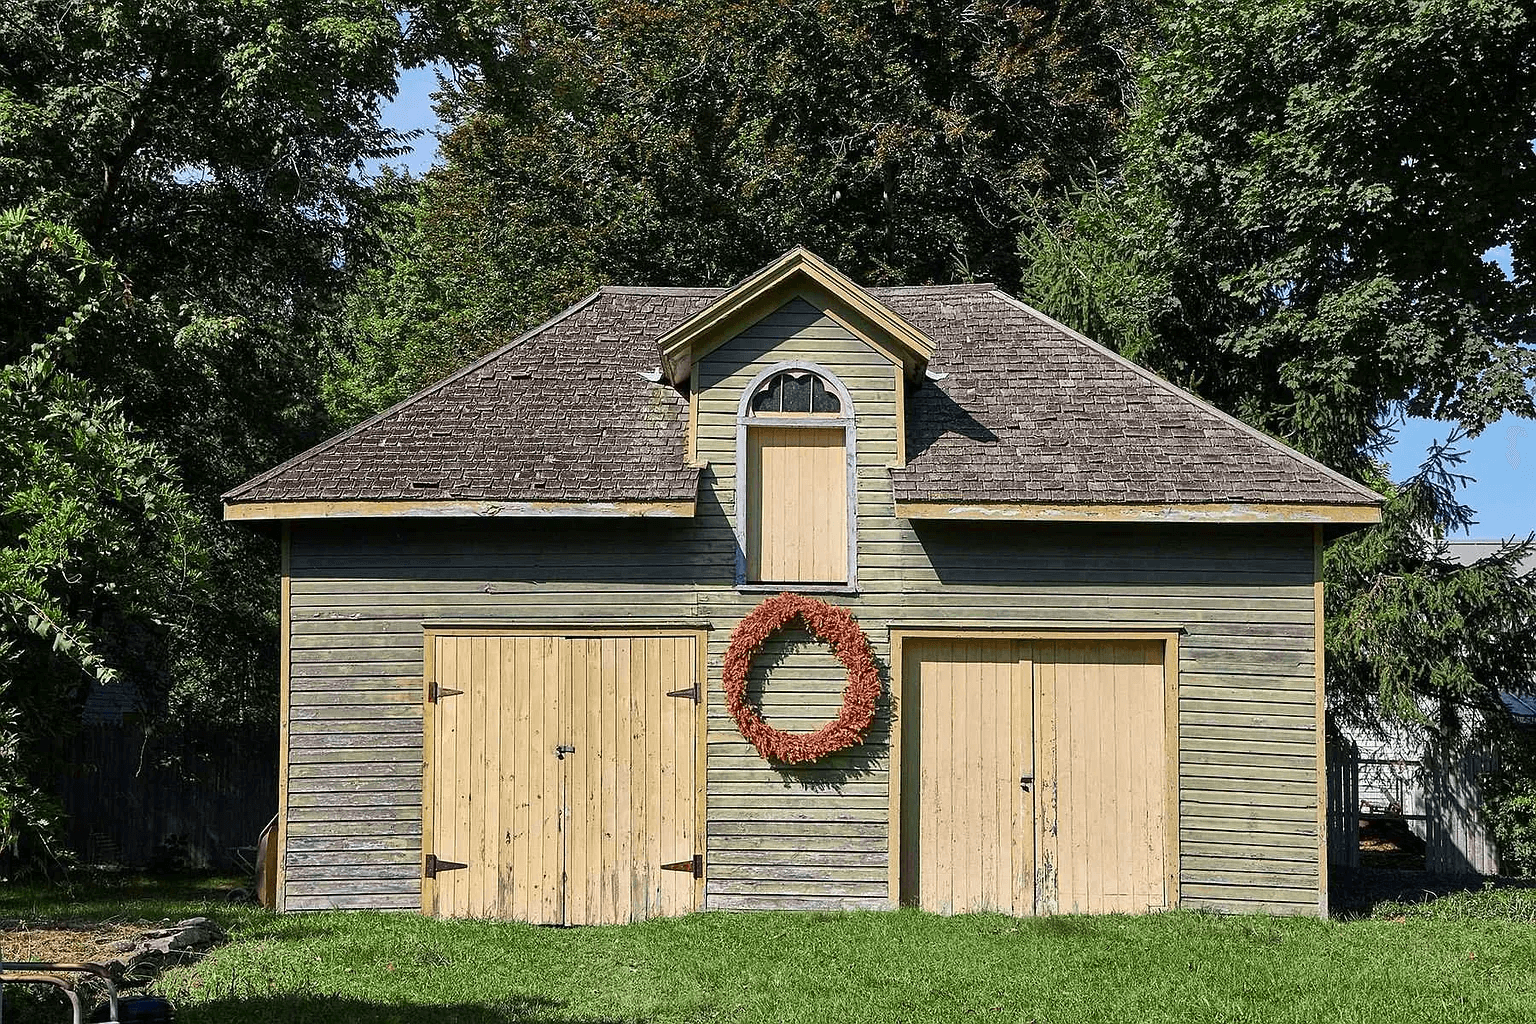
{"x": 1415, "y": 635}
{"x": 187, "y": 212}
{"x": 98, "y": 540}
{"x": 690, "y": 142}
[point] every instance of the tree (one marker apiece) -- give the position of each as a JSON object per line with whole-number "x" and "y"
{"x": 189, "y": 209}
{"x": 99, "y": 555}
{"x": 691, "y": 142}
{"x": 1316, "y": 184}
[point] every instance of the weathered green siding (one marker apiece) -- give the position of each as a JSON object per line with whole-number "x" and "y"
{"x": 817, "y": 836}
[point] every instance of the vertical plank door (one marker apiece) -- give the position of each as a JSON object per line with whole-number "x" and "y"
{"x": 967, "y": 748}
{"x": 1103, "y": 757}
{"x": 797, "y": 505}
{"x": 633, "y": 792}
{"x": 496, "y": 784}
{"x": 562, "y": 777}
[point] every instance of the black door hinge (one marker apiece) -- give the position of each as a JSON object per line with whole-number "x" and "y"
{"x": 434, "y": 865}
{"x": 695, "y": 866}
{"x": 436, "y": 693}
{"x": 691, "y": 692}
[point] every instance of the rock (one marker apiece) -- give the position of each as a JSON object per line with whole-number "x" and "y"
{"x": 142, "y": 960}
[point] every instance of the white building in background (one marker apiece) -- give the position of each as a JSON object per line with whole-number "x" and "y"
{"x": 1392, "y": 779}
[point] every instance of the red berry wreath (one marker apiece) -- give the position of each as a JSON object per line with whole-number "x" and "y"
{"x": 835, "y": 627}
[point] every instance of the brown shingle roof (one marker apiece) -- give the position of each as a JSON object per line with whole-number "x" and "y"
{"x": 1031, "y": 412}
{"x": 1023, "y": 411}
{"x": 561, "y": 414}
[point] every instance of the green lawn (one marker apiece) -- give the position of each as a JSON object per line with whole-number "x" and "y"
{"x": 902, "y": 966}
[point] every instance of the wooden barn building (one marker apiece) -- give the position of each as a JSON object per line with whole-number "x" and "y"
{"x": 1094, "y": 600}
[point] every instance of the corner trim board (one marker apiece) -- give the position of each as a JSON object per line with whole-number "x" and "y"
{"x": 1320, "y": 672}
{"x": 449, "y": 508}
{"x": 1235, "y": 512}
{"x": 284, "y": 684}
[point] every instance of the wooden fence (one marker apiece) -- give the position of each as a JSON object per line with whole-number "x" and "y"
{"x": 1438, "y": 799}
{"x": 1343, "y": 803}
{"x": 195, "y": 804}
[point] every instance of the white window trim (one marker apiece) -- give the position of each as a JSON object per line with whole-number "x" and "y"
{"x": 846, "y": 420}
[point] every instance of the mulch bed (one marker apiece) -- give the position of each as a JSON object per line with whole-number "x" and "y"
{"x": 63, "y": 942}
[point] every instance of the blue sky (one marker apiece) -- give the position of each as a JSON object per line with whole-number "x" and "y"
{"x": 412, "y": 109}
{"x": 1501, "y": 461}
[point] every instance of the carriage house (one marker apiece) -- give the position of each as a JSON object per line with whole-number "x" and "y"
{"x": 1091, "y": 600}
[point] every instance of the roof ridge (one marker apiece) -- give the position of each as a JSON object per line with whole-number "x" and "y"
{"x": 647, "y": 289}
{"x": 963, "y": 287}
{"x": 1193, "y": 399}
{"x": 329, "y": 443}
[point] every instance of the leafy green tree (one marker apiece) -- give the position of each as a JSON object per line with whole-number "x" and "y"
{"x": 99, "y": 553}
{"x": 689, "y": 142}
{"x": 1315, "y": 184}
{"x": 190, "y": 214}
{"x": 1414, "y": 635}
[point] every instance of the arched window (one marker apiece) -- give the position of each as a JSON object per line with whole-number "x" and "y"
{"x": 795, "y": 450}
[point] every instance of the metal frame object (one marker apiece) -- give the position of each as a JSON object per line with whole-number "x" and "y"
{"x": 42, "y": 973}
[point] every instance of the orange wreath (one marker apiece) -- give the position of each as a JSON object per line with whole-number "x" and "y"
{"x": 835, "y": 627}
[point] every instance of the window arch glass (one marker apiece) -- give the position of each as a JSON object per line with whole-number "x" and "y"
{"x": 796, "y": 393}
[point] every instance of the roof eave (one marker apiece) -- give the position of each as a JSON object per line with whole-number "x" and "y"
{"x": 449, "y": 508}
{"x": 1149, "y": 512}
{"x": 760, "y": 293}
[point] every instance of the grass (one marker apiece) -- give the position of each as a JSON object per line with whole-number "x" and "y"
{"x": 1491, "y": 903}
{"x": 856, "y": 967}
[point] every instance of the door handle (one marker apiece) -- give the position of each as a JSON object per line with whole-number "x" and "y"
{"x": 561, "y": 749}
{"x": 1025, "y": 781}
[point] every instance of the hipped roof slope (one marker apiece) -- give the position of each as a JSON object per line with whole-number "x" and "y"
{"x": 1015, "y": 408}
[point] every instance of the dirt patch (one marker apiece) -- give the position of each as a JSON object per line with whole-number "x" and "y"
{"x": 1390, "y": 843}
{"x": 59, "y": 943}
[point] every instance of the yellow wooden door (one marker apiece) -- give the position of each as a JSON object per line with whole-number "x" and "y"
{"x": 632, "y": 796}
{"x": 562, "y": 778}
{"x": 797, "y": 505}
{"x": 968, "y": 809}
{"x": 1104, "y": 777}
{"x": 1035, "y": 776}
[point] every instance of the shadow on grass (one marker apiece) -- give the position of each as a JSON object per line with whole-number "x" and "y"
{"x": 1358, "y": 892}
{"x": 305, "y": 1008}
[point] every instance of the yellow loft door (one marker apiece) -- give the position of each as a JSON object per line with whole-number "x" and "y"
{"x": 562, "y": 779}
{"x": 1034, "y": 776}
{"x": 797, "y": 505}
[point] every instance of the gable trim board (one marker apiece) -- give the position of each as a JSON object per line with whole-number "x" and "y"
{"x": 796, "y": 274}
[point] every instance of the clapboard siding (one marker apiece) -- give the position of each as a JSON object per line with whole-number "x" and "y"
{"x": 816, "y": 836}
{"x": 361, "y": 595}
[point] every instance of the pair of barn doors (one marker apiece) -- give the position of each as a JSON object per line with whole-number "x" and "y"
{"x": 561, "y": 777}
{"x": 1037, "y": 776}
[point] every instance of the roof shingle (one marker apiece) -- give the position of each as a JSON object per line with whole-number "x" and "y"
{"x": 1017, "y": 409}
